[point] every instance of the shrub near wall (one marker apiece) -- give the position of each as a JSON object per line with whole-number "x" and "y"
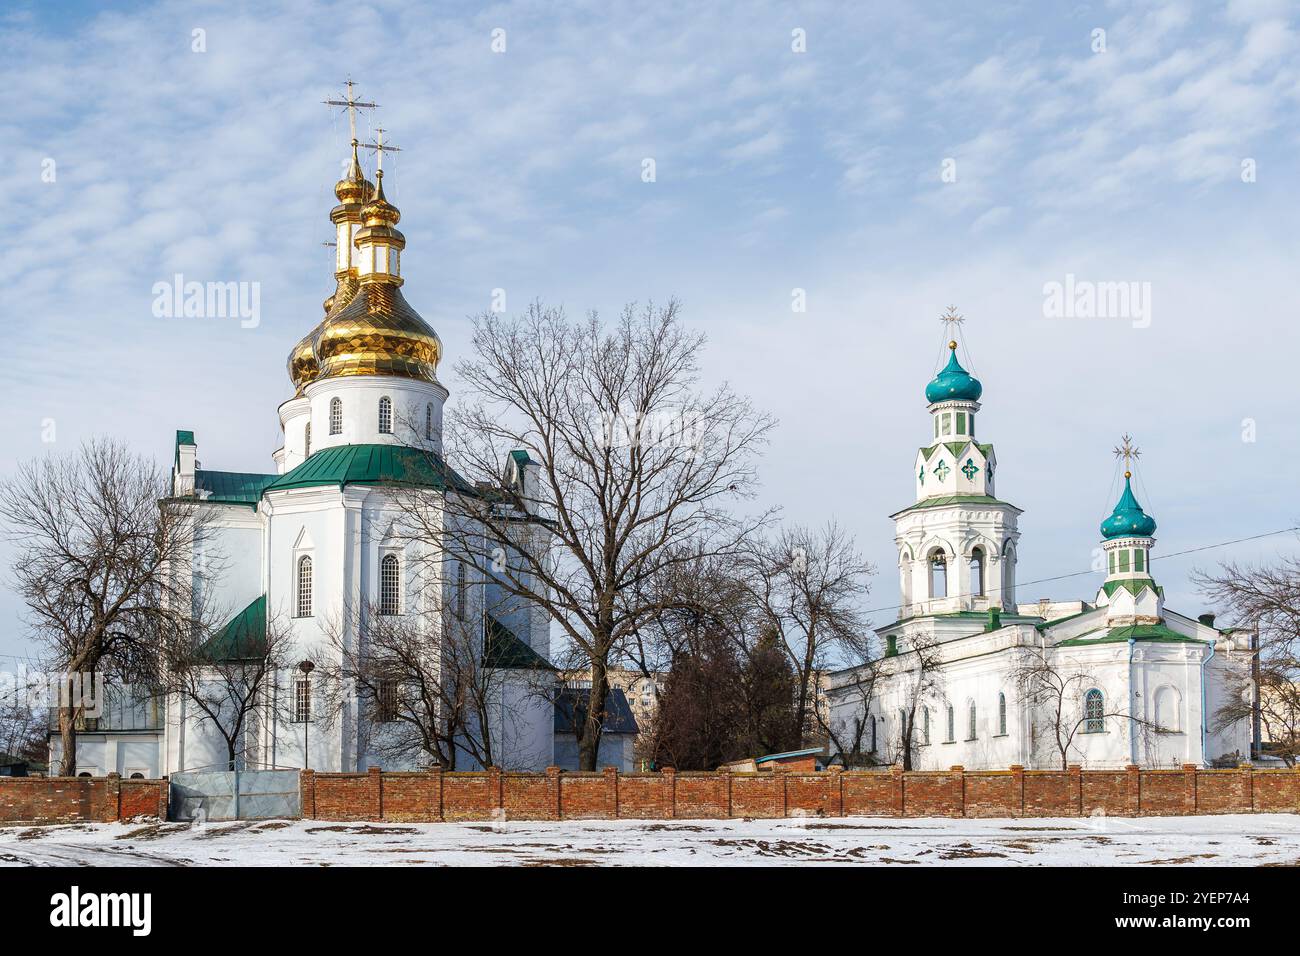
{"x": 556, "y": 795}
{"x": 80, "y": 799}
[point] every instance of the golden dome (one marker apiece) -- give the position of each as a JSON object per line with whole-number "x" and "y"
{"x": 302, "y": 363}
{"x": 353, "y": 188}
{"x": 379, "y": 211}
{"x": 377, "y": 333}
{"x": 303, "y": 367}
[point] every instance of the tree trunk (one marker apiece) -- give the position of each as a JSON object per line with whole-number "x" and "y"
{"x": 68, "y": 741}
{"x": 589, "y": 737}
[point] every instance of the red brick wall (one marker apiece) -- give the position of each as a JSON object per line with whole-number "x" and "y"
{"x": 70, "y": 799}
{"x": 418, "y": 797}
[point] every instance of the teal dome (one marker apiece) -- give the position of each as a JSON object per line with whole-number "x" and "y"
{"x": 1128, "y": 519}
{"x": 954, "y": 383}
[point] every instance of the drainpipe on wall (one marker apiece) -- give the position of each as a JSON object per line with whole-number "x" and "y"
{"x": 1205, "y": 720}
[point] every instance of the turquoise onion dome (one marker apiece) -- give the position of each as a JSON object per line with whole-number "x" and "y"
{"x": 954, "y": 383}
{"x": 1128, "y": 520}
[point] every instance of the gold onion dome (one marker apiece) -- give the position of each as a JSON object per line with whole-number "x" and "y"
{"x": 302, "y": 363}
{"x": 377, "y": 333}
{"x": 353, "y": 188}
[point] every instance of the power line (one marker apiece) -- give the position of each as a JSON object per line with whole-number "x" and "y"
{"x": 1075, "y": 574}
{"x": 1057, "y": 577}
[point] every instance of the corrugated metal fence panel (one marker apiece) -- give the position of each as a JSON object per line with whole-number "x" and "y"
{"x": 263, "y": 795}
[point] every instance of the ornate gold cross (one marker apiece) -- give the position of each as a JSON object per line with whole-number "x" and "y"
{"x": 379, "y": 148}
{"x": 1129, "y": 454}
{"x": 351, "y": 104}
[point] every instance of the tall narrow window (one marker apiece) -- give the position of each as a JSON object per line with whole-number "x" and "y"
{"x": 925, "y": 725}
{"x": 386, "y": 700}
{"x": 1094, "y": 712}
{"x": 1139, "y": 560}
{"x": 1123, "y": 561}
{"x": 336, "y": 416}
{"x": 902, "y": 727}
{"x": 938, "y": 574}
{"x": 970, "y": 721}
{"x": 390, "y": 585}
{"x": 428, "y": 421}
{"x": 460, "y": 590}
{"x": 307, "y": 440}
{"x": 873, "y": 734}
{"x": 302, "y": 700}
{"x": 304, "y": 586}
{"x": 977, "y": 572}
{"x": 952, "y": 726}
{"x": 385, "y": 416}
{"x": 1002, "y": 715}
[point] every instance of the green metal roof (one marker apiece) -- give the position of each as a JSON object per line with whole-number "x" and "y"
{"x": 1133, "y": 586}
{"x": 232, "y": 487}
{"x": 956, "y": 448}
{"x": 1128, "y": 519}
{"x": 1152, "y": 633}
{"x": 371, "y": 465}
{"x": 955, "y": 500}
{"x": 954, "y": 382}
{"x": 243, "y": 638}
{"x": 504, "y": 651}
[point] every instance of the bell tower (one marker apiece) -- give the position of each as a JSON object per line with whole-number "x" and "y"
{"x": 957, "y": 542}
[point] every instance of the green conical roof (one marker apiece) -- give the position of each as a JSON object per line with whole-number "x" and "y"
{"x": 954, "y": 383}
{"x": 1128, "y": 519}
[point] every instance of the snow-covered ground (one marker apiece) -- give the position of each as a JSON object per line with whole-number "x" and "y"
{"x": 1154, "y": 841}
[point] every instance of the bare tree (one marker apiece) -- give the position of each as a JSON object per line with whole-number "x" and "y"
{"x": 24, "y": 728}
{"x": 1056, "y": 692}
{"x": 920, "y": 676}
{"x": 225, "y": 676}
{"x": 808, "y": 586}
{"x": 95, "y": 563}
{"x": 1267, "y": 599}
{"x": 628, "y": 463}
{"x": 435, "y": 689}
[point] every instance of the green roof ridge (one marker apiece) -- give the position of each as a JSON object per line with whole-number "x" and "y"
{"x": 1150, "y": 633}
{"x": 503, "y": 650}
{"x": 242, "y": 638}
{"x": 342, "y": 465}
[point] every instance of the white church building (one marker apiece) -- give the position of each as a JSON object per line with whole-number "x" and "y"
{"x": 313, "y": 544}
{"x": 986, "y": 681}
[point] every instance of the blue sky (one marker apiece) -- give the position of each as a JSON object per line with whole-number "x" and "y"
{"x": 775, "y": 170}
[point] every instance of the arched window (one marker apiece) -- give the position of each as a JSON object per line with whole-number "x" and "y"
{"x": 385, "y": 416}
{"x": 952, "y": 725}
{"x": 970, "y": 720}
{"x": 428, "y": 421}
{"x": 925, "y": 725}
{"x": 1009, "y": 578}
{"x": 336, "y": 416}
{"x": 1002, "y": 715}
{"x": 307, "y": 441}
{"x": 977, "y": 572}
{"x": 938, "y": 573}
{"x": 137, "y": 776}
{"x": 304, "y": 586}
{"x": 389, "y": 585}
{"x": 1094, "y": 712}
